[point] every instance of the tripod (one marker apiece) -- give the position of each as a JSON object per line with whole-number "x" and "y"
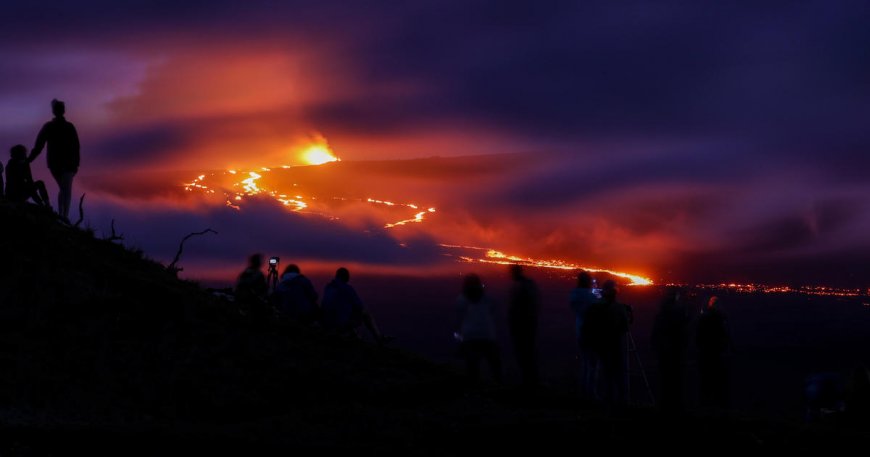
{"x": 638, "y": 370}
{"x": 272, "y": 276}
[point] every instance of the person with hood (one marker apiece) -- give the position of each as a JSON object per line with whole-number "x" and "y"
{"x": 295, "y": 297}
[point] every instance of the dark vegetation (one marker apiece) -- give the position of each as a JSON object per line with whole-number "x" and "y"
{"x": 103, "y": 350}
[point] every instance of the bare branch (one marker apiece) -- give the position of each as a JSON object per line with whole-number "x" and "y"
{"x": 115, "y": 237}
{"x": 81, "y": 211}
{"x": 173, "y": 267}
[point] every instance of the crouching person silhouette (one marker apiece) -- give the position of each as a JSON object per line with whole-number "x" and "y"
{"x": 20, "y": 185}
{"x": 343, "y": 312}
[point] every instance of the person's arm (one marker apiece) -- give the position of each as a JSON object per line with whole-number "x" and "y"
{"x": 312, "y": 294}
{"x": 28, "y": 176}
{"x": 461, "y": 309}
{"x": 76, "y": 147}
{"x": 40, "y": 143}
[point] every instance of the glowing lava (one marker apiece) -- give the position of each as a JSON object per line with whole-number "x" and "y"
{"x": 247, "y": 183}
{"x": 318, "y": 154}
{"x": 500, "y": 258}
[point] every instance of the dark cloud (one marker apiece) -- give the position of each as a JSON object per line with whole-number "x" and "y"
{"x": 261, "y": 226}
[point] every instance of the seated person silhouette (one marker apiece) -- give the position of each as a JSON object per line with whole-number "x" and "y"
{"x": 295, "y": 297}
{"x": 20, "y": 185}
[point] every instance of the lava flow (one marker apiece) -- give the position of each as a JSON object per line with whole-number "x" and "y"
{"x": 241, "y": 184}
{"x": 500, "y": 258}
{"x": 238, "y": 185}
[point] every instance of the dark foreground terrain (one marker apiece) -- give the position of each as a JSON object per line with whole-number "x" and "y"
{"x": 104, "y": 351}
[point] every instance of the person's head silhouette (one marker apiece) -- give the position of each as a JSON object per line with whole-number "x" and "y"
{"x": 292, "y": 268}
{"x": 714, "y": 300}
{"x": 18, "y": 152}
{"x": 672, "y": 294}
{"x": 472, "y": 287}
{"x": 58, "y": 108}
{"x": 516, "y": 272}
{"x": 584, "y": 280}
{"x": 255, "y": 261}
{"x": 609, "y": 290}
{"x": 343, "y": 275}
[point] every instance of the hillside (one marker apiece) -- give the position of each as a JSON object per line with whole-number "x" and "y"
{"x": 104, "y": 350}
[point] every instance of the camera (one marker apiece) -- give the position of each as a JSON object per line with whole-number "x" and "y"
{"x": 274, "y": 260}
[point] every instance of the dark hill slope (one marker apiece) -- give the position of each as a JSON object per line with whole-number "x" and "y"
{"x": 103, "y": 350}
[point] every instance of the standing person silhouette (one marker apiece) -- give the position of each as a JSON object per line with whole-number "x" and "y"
{"x": 476, "y": 319}
{"x": 582, "y": 298}
{"x": 62, "y": 156}
{"x": 670, "y": 340}
{"x": 605, "y": 330}
{"x": 713, "y": 341}
{"x": 251, "y": 290}
{"x": 523, "y": 324}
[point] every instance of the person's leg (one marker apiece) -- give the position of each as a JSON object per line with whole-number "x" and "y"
{"x": 41, "y": 194}
{"x": 471, "y": 353}
{"x": 65, "y": 195}
{"x": 493, "y": 358}
{"x": 721, "y": 382}
{"x": 372, "y": 327}
{"x": 524, "y": 350}
{"x": 705, "y": 378}
{"x": 593, "y": 374}
{"x": 59, "y": 178}
{"x": 530, "y": 364}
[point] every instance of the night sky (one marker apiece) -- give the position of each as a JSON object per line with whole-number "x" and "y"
{"x": 698, "y": 141}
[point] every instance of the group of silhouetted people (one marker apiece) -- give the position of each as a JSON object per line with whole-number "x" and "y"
{"x": 601, "y": 322}
{"x": 670, "y": 342}
{"x": 294, "y": 298}
{"x": 602, "y": 325}
{"x": 62, "y": 141}
{"x": 477, "y": 328}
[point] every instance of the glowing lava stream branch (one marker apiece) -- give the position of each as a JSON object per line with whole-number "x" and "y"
{"x": 250, "y": 187}
{"x": 500, "y": 258}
